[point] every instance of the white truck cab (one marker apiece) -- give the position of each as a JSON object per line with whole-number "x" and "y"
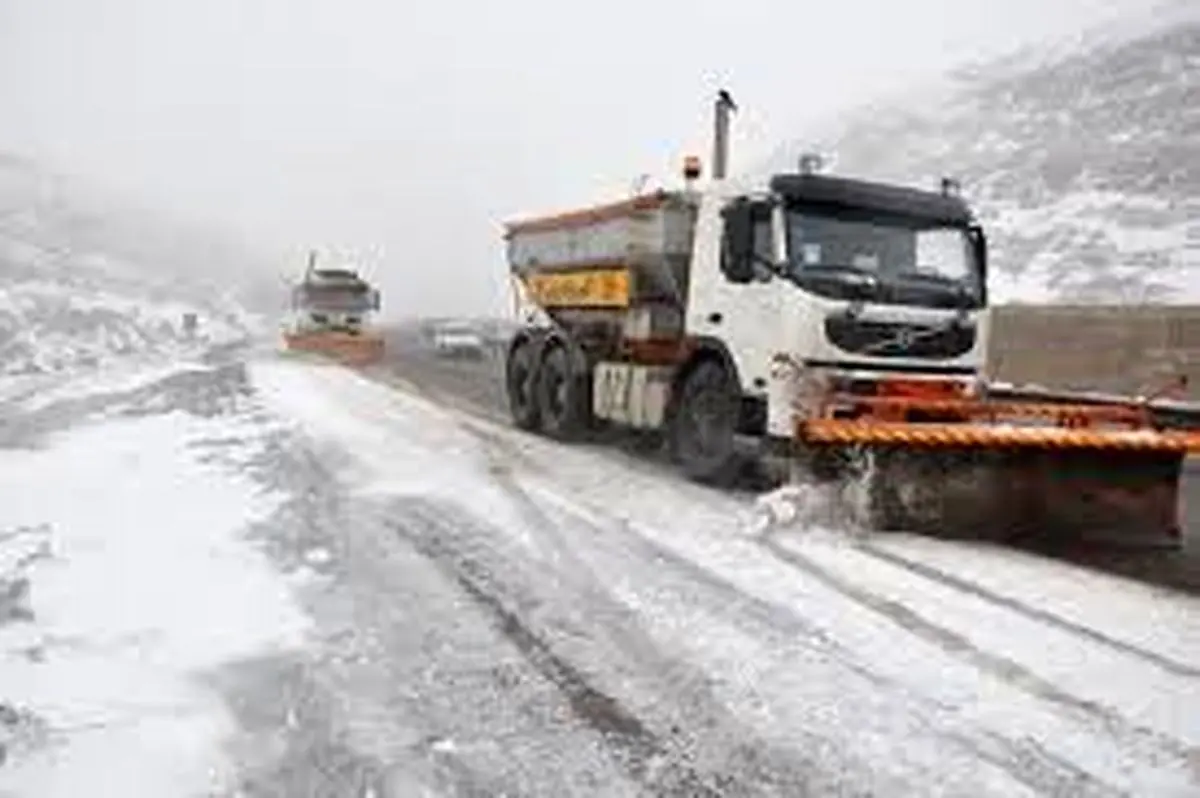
{"x": 720, "y": 313}
{"x": 826, "y": 276}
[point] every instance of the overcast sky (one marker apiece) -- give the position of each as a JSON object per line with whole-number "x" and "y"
{"x": 411, "y": 130}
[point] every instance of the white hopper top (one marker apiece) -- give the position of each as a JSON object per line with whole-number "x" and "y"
{"x": 651, "y": 235}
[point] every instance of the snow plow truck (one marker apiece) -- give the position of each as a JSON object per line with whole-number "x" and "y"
{"x": 330, "y": 315}
{"x": 838, "y": 324}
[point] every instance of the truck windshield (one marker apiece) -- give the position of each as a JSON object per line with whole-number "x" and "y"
{"x": 334, "y": 297}
{"x": 911, "y": 261}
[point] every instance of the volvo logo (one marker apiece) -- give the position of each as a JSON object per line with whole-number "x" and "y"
{"x": 905, "y": 337}
{"x": 899, "y": 338}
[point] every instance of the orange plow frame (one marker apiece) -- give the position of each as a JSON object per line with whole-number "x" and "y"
{"x": 356, "y": 350}
{"x": 990, "y": 424}
{"x": 948, "y": 463}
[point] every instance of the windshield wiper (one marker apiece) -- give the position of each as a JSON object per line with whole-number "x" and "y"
{"x": 858, "y": 282}
{"x": 929, "y": 276}
{"x": 836, "y": 268}
{"x": 962, "y": 290}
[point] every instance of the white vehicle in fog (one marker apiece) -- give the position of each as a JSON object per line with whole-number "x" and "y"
{"x": 458, "y": 339}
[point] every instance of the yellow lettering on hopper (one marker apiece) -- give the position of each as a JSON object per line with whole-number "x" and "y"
{"x": 594, "y": 288}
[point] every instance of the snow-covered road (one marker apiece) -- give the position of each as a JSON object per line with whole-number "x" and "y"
{"x": 124, "y": 576}
{"x": 282, "y": 578}
{"x": 793, "y": 661}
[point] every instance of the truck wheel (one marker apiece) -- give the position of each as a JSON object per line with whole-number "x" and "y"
{"x": 704, "y": 424}
{"x": 562, "y": 395}
{"x": 520, "y": 381}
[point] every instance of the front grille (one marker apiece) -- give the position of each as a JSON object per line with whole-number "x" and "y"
{"x": 900, "y": 339}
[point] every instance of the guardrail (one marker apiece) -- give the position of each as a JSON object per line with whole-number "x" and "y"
{"x": 1166, "y": 412}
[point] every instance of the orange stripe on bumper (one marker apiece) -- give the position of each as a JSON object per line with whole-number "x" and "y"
{"x": 830, "y": 431}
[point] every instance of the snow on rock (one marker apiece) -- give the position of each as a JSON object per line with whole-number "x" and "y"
{"x": 124, "y": 376}
{"x": 122, "y": 573}
{"x": 132, "y": 586}
{"x": 61, "y": 324}
{"x": 1079, "y": 157}
{"x": 84, "y": 284}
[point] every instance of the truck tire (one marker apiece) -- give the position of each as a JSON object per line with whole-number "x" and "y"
{"x": 520, "y": 378}
{"x": 704, "y": 425}
{"x": 562, "y": 394}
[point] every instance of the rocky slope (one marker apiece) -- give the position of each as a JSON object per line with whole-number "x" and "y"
{"x": 83, "y": 280}
{"x": 1083, "y": 158}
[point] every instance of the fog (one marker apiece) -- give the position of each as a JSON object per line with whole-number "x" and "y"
{"x": 408, "y": 132}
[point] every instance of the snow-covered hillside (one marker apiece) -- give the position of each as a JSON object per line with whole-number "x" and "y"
{"x": 82, "y": 283}
{"x": 1083, "y": 158}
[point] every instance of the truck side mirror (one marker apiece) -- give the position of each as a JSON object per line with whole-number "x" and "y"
{"x": 737, "y": 242}
{"x": 375, "y": 300}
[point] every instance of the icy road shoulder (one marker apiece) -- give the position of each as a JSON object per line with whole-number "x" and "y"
{"x": 888, "y": 665}
{"x": 127, "y": 577}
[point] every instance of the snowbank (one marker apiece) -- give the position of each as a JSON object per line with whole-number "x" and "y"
{"x": 55, "y": 325}
{"x": 136, "y": 580}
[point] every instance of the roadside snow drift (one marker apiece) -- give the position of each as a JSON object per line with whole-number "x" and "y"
{"x": 133, "y": 579}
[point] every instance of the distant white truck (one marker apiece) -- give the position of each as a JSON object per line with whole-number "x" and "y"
{"x": 458, "y": 339}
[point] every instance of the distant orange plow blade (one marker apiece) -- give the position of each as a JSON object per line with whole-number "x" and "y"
{"x": 355, "y": 350}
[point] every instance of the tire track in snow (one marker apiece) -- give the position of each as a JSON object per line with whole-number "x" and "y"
{"x": 1024, "y": 760}
{"x": 950, "y": 641}
{"x": 665, "y": 762}
{"x": 504, "y": 447}
{"x": 1033, "y": 765}
{"x": 619, "y": 727}
{"x": 1089, "y": 712}
{"x": 934, "y": 574}
{"x": 310, "y": 701}
{"x": 763, "y": 614}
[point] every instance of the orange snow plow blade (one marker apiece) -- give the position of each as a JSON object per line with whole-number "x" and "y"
{"x": 354, "y": 350}
{"x": 975, "y": 467}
